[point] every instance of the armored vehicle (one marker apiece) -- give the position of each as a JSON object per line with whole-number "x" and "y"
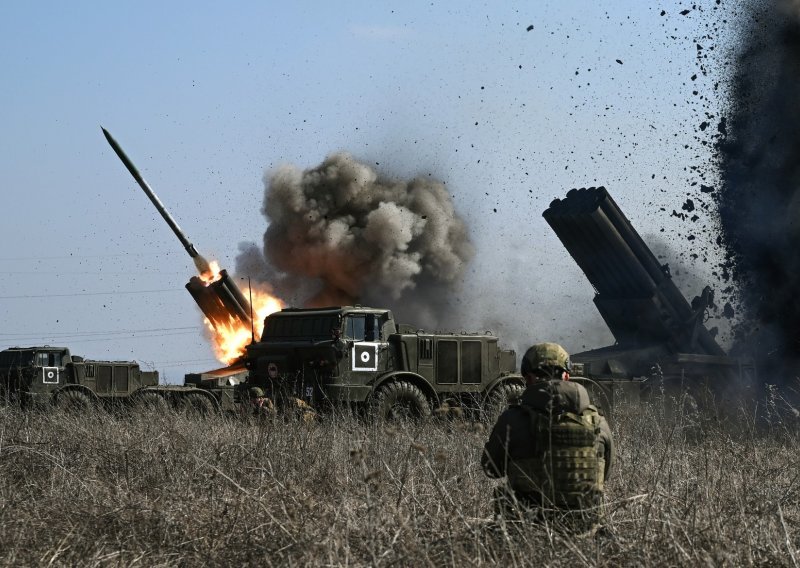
{"x": 659, "y": 334}
{"x": 35, "y": 375}
{"x": 356, "y": 355}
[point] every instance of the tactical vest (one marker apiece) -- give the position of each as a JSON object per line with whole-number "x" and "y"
{"x": 565, "y": 471}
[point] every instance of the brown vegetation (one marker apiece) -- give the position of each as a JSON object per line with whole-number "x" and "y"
{"x": 167, "y": 489}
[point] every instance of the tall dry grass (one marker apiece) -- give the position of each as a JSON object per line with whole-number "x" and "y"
{"x": 148, "y": 489}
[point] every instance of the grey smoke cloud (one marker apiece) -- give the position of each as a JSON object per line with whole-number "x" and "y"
{"x": 340, "y": 234}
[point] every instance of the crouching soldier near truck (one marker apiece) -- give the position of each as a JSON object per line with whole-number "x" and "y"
{"x": 268, "y": 396}
{"x": 554, "y": 447}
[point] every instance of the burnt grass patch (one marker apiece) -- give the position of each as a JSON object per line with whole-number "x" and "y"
{"x": 169, "y": 489}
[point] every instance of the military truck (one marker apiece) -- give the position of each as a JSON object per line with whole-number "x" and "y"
{"x": 42, "y": 375}
{"x": 32, "y": 376}
{"x": 359, "y": 356}
{"x": 661, "y": 339}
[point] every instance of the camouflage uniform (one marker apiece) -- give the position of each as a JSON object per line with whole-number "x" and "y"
{"x": 516, "y": 448}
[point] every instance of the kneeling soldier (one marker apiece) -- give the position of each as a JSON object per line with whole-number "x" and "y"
{"x": 554, "y": 446}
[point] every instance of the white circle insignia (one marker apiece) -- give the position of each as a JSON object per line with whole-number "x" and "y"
{"x": 365, "y": 357}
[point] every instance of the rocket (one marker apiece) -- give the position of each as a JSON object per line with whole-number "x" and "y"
{"x": 221, "y": 301}
{"x": 200, "y": 262}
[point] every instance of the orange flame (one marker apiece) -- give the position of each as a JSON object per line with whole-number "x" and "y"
{"x": 230, "y": 339}
{"x": 212, "y": 274}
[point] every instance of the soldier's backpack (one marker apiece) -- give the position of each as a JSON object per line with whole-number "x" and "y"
{"x": 565, "y": 471}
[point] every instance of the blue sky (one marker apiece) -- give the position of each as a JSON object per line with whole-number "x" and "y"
{"x": 206, "y": 98}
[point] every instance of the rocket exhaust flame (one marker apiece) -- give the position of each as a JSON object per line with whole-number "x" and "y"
{"x": 204, "y": 267}
{"x": 227, "y": 312}
{"x": 230, "y": 340}
{"x": 220, "y": 300}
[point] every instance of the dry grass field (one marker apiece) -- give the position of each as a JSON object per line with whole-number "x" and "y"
{"x": 133, "y": 488}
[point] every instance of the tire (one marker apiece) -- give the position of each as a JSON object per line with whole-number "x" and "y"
{"x": 150, "y": 401}
{"x": 500, "y": 397}
{"x": 400, "y": 400}
{"x": 196, "y": 404}
{"x": 74, "y": 400}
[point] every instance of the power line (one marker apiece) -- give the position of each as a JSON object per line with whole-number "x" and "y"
{"x": 138, "y": 272}
{"x": 72, "y": 295}
{"x": 90, "y": 333}
{"x": 42, "y": 338}
{"x": 75, "y": 257}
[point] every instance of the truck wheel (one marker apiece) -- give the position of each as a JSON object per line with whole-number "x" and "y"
{"x": 74, "y": 401}
{"x": 196, "y": 404}
{"x": 151, "y": 402}
{"x": 500, "y": 397}
{"x": 400, "y": 400}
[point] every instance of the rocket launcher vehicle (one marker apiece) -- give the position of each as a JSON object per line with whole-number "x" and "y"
{"x": 217, "y": 295}
{"x": 634, "y": 293}
{"x": 653, "y": 323}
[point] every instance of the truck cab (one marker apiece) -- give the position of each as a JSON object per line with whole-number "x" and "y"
{"x": 29, "y": 373}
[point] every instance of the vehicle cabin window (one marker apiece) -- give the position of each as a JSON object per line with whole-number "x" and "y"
{"x": 372, "y": 330}
{"x": 426, "y": 349}
{"x": 447, "y": 362}
{"x": 48, "y": 359}
{"x": 356, "y": 327}
{"x": 364, "y": 327}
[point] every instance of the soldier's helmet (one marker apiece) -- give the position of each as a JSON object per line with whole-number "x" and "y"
{"x": 545, "y": 357}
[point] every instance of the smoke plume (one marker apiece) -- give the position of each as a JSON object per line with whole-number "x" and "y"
{"x": 759, "y": 201}
{"x": 339, "y": 234}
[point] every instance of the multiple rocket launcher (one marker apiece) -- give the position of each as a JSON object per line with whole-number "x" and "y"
{"x": 657, "y": 331}
{"x": 217, "y": 295}
{"x": 634, "y": 293}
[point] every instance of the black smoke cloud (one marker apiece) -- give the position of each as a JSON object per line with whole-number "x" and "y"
{"x": 759, "y": 200}
{"x": 340, "y": 234}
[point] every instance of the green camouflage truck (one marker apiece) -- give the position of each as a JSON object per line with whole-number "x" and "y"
{"x": 45, "y": 375}
{"x": 359, "y": 356}
{"x": 32, "y": 376}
